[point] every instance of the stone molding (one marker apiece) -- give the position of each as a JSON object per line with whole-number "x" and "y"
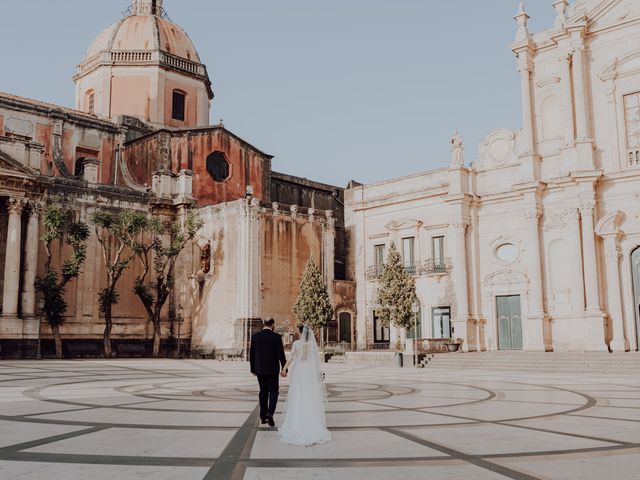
{"x": 15, "y": 205}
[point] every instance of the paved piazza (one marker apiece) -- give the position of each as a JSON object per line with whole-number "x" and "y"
{"x": 197, "y": 420}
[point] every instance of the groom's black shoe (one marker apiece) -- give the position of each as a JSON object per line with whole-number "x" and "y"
{"x": 271, "y": 422}
{"x": 263, "y": 421}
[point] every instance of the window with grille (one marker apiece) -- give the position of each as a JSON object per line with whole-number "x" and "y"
{"x": 632, "y": 122}
{"x": 91, "y": 102}
{"x": 178, "y": 105}
{"x": 408, "y": 255}
{"x": 218, "y": 167}
{"x": 378, "y": 258}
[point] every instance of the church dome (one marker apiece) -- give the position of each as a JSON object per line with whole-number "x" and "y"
{"x": 144, "y": 28}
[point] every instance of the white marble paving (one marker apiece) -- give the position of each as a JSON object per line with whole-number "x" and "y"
{"x": 166, "y": 419}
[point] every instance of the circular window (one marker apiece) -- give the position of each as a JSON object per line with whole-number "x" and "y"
{"x": 507, "y": 252}
{"x": 218, "y": 167}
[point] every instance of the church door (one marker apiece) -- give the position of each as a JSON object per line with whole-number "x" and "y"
{"x": 509, "y": 322}
{"x": 344, "y": 320}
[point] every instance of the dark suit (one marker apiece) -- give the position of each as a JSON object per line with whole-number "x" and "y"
{"x": 266, "y": 357}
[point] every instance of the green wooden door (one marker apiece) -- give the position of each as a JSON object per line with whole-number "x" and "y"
{"x": 509, "y": 322}
{"x": 344, "y": 319}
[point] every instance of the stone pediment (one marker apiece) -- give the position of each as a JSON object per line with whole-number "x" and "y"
{"x": 602, "y": 13}
{"x": 404, "y": 224}
{"x": 505, "y": 277}
{"x": 9, "y": 165}
{"x": 621, "y": 67}
{"x": 613, "y": 12}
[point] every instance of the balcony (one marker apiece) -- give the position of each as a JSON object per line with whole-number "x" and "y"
{"x": 374, "y": 271}
{"x": 437, "y": 266}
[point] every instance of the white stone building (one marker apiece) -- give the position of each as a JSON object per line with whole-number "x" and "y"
{"x": 536, "y": 244}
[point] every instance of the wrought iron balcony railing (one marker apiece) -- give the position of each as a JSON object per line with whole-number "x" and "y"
{"x": 437, "y": 266}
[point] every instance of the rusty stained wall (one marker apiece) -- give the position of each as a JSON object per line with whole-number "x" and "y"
{"x": 1, "y": 124}
{"x": 83, "y": 318}
{"x": 286, "y": 246}
{"x": 291, "y": 190}
{"x": 189, "y": 149}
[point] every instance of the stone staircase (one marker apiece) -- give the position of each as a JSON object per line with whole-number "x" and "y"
{"x": 559, "y": 362}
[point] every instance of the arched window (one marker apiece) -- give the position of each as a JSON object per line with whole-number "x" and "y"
{"x": 178, "y": 105}
{"x": 91, "y": 102}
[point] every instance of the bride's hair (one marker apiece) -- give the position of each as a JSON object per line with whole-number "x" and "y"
{"x": 301, "y": 327}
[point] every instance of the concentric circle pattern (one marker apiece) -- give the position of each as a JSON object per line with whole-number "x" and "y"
{"x": 197, "y": 420}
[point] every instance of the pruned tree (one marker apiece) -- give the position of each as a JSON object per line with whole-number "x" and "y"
{"x": 313, "y": 306}
{"x": 157, "y": 246}
{"x": 52, "y": 283}
{"x": 114, "y": 231}
{"x": 396, "y": 292}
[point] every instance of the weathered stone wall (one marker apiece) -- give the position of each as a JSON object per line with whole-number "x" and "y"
{"x": 188, "y": 149}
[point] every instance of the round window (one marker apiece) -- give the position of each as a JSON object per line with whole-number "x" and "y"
{"x": 507, "y": 252}
{"x": 218, "y": 167}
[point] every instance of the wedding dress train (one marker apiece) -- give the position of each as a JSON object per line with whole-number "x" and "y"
{"x": 304, "y": 420}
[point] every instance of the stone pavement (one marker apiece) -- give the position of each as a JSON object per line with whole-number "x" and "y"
{"x": 185, "y": 420}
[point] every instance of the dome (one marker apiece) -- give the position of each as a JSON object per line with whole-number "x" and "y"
{"x": 144, "y": 33}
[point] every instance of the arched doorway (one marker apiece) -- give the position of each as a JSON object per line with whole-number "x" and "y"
{"x": 635, "y": 273}
{"x": 344, "y": 327}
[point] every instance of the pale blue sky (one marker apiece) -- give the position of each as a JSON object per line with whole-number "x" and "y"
{"x": 334, "y": 89}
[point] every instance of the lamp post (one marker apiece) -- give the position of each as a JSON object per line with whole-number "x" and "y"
{"x": 415, "y": 309}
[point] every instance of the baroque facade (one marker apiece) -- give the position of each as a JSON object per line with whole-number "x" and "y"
{"x": 536, "y": 244}
{"x": 139, "y": 138}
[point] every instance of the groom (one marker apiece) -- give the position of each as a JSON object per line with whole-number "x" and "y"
{"x": 266, "y": 356}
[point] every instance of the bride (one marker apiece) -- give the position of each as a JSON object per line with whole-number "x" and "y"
{"x": 304, "y": 419}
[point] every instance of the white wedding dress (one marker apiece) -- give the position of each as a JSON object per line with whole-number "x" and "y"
{"x": 304, "y": 418}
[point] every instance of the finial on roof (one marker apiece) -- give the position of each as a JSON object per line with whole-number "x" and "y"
{"x": 561, "y": 9}
{"x": 522, "y": 18}
{"x": 146, "y": 7}
{"x": 221, "y": 124}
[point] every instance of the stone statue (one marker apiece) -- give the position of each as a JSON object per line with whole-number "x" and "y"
{"x": 457, "y": 151}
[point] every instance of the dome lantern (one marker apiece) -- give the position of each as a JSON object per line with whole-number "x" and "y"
{"x": 146, "y": 7}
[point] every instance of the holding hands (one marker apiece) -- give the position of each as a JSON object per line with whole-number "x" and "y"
{"x": 284, "y": 372}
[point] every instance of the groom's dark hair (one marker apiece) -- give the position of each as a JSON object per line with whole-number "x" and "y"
{"x": 269, "y": 323}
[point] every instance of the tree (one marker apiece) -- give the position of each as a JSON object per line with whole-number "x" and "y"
{"x": 114, "y": 232}
{"x": 396, "y": 292}
{"x": 52, "y": 284}
{"x": 157, "y": 245}
{"x": 313, "y": 306}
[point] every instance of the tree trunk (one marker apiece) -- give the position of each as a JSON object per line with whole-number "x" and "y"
{"x": 156, "y": 337}
{"x": 58, "y": 341}
{"x": 106, "y": 338}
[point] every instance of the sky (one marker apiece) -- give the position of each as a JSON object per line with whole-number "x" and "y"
{"x": 335, "y": 89}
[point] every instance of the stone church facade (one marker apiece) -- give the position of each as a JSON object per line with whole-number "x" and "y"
{"x": 536, "y": 244}
{"x": 139, "y": 138}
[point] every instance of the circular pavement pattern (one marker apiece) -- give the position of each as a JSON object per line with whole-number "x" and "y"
{"x": 198, "y": 420}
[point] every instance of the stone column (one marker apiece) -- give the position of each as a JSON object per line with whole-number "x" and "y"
{"x": 590, "y": 258}
{"x": 567, "y": 97}
{"x": 612, "y": 255}
{"x": 582, "y": 124}
{"x": 460, "y": 279}
{"x": 577, "y": 284}
{"x": 12, "y": 259}
{"x": 31, "y": 261}
{"x": 534, "y": 337}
